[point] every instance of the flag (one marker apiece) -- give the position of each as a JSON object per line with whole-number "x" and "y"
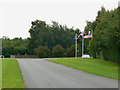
{"x": 81, "y": 34}
{"x": 74, "y": 38}
{"x": 88, "y": 36}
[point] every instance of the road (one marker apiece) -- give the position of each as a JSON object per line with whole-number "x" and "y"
{"x": 39, "y": 73}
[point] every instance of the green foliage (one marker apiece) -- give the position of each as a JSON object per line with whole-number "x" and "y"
{"x": 42, "y": 34}
{"x": 14, "y": 46}
{"x": 105, "y": 39}
{"x": 42, "y": 51}
{"x": 69, "y": 52}
{"x": 58, "y": 51}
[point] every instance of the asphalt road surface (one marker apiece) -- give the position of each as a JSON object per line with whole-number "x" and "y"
{"x": 38, "y": 73}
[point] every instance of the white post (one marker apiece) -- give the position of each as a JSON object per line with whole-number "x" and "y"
{"x": 82, "y": 45}
{"x": 76, "y": 47}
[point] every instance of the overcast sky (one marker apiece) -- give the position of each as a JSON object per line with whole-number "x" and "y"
{"x": 16, "y": 16}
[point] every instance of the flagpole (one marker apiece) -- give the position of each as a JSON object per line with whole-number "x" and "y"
{"x": 82, "y": 45}
{"x": 76, "y": 47}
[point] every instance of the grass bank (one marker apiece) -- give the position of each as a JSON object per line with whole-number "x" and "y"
{"x": 11, "y": 74}
{"x": 93, "y": 66}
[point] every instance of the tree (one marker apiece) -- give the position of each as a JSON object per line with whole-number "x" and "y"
{"x": 42, "y": 34}
{"x": 104, "y": 43}
{"x": 14, "y": 46}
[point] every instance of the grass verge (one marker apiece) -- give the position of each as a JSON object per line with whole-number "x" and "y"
{"x": 0, "y": 74}
{"x": 11, "y": 74}
{"x": 94, "y": 66}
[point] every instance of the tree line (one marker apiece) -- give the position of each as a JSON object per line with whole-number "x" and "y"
{"x": 45, "y": 41}
{"x": 55, "y": 40}
{"x": 16, "y": 46}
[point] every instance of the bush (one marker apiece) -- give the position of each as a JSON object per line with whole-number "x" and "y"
{"x": 58, "y": 51}
{"x": 69, "y": 52}
{"x": 42, "y": 52}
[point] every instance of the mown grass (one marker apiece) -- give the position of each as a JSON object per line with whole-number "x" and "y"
{"x": 11, "y": 74}
{"x": 93, "y": 66}
{"x": 0, "y": 74}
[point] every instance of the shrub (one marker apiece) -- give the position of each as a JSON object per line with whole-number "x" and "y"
{"x": 70, "y": 52}
{"x": 42, "y": 52}
{"x": 58, "y": 51}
